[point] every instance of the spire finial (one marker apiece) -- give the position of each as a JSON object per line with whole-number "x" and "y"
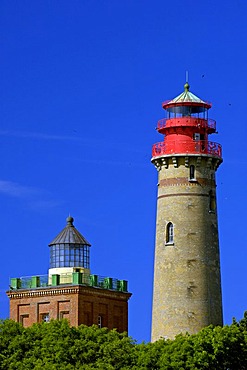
{"x": 186, "y": 86}
{"x": 70, "y": 220}
{"x": 187, "y": 76}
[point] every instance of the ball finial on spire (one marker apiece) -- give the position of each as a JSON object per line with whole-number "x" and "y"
{"x": 70, "y": 220}
{"x": 186, "y": 86}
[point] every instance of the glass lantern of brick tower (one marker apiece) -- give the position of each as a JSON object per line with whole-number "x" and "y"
{"x": 69, "y": 290}
{"x": 187, "y": 284}
{"x": 69, "y": 253}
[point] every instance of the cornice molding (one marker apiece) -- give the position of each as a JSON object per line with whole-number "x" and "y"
{"x": 51, "y": 291}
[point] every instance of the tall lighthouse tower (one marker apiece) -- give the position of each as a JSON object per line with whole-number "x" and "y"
{"x": 187, "y": 285}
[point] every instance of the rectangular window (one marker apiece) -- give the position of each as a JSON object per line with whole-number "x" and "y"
{"x": 88, "y": 318}
{"x": 192, "y": 173}
{"x": 23, "y": 319}
{"x": 63, "y": 315}
{"x": 100, "y": 321}
{"x": 44, "y": 317}
{"x": 118, "y": 323}
{"x": 212, "y": 202}
{"x": 197, "y": 136}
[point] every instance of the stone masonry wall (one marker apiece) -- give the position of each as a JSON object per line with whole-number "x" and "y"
{"x": 187, "y": 284}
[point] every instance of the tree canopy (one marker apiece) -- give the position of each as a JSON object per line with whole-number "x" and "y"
{"x": 56, "y": 345}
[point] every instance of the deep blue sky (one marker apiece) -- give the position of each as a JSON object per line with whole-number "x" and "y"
{"x": 81, "y": 89}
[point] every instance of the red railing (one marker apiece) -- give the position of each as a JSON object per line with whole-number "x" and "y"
{"x": 186, "y": 121}
{"x": 187, "y": 147}
{"x": 165, "y": 104}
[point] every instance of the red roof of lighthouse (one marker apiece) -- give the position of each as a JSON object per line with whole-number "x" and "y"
{"x": 186, "y": 98}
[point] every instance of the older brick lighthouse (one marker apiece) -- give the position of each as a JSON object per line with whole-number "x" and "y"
{"x": 187, "y": 284}
{"x": 69, "y": 290}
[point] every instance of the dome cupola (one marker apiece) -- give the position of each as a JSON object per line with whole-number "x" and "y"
{"x": 69, "y": 249}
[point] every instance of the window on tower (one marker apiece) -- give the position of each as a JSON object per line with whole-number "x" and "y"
{"x": 24, "y": 319}
{"x": 63, "y": 315}
{"x": 192, "y": 174}
{"x": 169, "y": 233}
{"x": 100, "y": 321}
{"x": 44, "y": 317}
{"x": 212, "y": 202}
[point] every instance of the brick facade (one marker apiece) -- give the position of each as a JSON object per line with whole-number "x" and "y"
{"x": 69, "y": 290}
{"x": 79, "y": 304}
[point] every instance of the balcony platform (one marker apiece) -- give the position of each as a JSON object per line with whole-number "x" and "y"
{"x": 187, "y": 147}
{"x": 75, "y": 278}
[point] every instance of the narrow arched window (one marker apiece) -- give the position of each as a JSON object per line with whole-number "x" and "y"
{"x": 169, "y": 232}
{"x": 192, "y": 172}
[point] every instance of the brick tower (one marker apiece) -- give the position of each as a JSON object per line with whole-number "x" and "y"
{"x": 69, "y": 290}
{"x": 187, "y": 284}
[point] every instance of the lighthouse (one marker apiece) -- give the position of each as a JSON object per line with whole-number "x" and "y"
{"x": 69, "y": 290}
{"x": 187, "y": 283}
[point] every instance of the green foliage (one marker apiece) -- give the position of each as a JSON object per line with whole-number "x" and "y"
{"x": 56, "y": 346}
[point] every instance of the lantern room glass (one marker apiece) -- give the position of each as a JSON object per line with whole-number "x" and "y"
{"x": 187, "y": 111}
{"x": 69, "y": 255}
